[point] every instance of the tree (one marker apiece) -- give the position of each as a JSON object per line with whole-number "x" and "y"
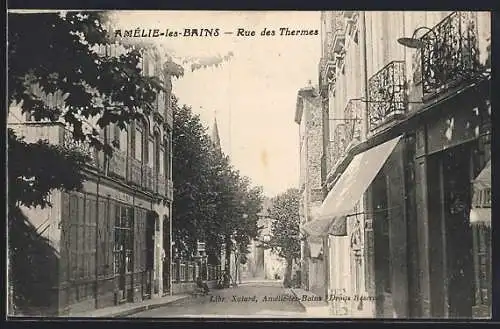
{"x": 65, "y": 57}
{"x": 213, "y": 202}
{"x": 285, "y": 234}
{"x": 95, "y": 86}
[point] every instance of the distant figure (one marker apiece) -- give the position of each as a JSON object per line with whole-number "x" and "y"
{"x": 202, "y": 285}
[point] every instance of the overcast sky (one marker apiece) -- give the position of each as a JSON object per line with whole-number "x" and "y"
{"x": 254, "y": 94}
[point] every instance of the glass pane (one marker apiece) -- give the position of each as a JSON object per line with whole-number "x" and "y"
{"x": 130, "y": 222}
{"x": 138, "y": 144}
{"x": 162, "y": 159}
{"x": 123, "y": 140}
{"x": 124, "y": 217}
{"x": 118, "y": 241}
{"x": 128, "y": 261}
{"x": 117, "y": 262}
{"x": 151, "y": 152}
{"x": 117, "y": 216}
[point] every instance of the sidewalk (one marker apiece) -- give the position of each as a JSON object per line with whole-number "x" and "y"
{"x": 129, "y": 308}
{"x": 313, "y": 304}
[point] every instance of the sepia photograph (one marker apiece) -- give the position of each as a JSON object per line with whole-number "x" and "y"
{"x": 248, "y": 164}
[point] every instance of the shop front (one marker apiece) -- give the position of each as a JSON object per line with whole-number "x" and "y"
{"x": 452, "y": 150}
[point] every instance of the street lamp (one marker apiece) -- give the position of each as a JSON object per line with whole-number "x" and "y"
{"x": 413, "y": 42}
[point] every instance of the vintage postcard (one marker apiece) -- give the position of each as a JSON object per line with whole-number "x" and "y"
{"x": 249, "y": 164}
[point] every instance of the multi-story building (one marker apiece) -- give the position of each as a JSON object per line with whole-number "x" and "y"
{"x": 112, "y": 239}
{"x": 309, "y": 118}
{"x": 410, "y": 181}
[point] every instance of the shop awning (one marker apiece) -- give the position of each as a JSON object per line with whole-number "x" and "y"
{"x": 483, "y": 180}
{"x": 349, "y": 189}
{"x": 480, "y": 216}
{"x": 336, "y": 226}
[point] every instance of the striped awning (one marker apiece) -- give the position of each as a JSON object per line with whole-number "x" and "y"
{"x": 349, "y": 189}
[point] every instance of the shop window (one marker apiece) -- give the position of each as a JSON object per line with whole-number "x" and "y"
{"x": 124, "y": 239}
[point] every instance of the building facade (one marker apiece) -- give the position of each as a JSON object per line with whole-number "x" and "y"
{"x": 112, "y": 239}
{"x": 264, "y": 263}
{"x": 308, "y": 116}
{"x": 409, "y": 181}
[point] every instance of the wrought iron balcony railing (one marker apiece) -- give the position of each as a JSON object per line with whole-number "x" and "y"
{"x": 118, "y": 164}
{"x": 161, "y": 186}
{"x": 135, "y": 175}
{"x": 353, "y": 123}
{"x": 147, "y": 178}
{"x": 84, "y": 147}
{"x": 387, "y": 94}
{"x": 450, "y": 52}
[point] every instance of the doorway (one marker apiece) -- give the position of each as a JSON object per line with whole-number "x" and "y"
{"x": 166, "y": 255}
{"x": 457, "y": 204}
{"x": 450, "y": 235}
{"x": 150, "y": 251}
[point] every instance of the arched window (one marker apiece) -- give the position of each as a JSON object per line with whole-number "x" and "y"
{"x": 138, "y": 140}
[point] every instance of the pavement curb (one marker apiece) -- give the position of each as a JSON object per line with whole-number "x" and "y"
{"x": 143, "y": 308}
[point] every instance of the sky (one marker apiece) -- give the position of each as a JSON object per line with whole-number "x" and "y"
{"x": 253, "y": 95}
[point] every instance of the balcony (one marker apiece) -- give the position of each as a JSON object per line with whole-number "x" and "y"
{"x": 450, "y": 53}
{"x": 161, "y": 185}
{"x": 337, "y": 145}
{"x": 339, "y": 34}
{"x": 387, "y": 98}
{"x": 353, "y": 124}
{"x": 135, "y": 172}
{"x": 84, "y": 147}
{"x": 327, "y": 76}
{"x": 118, "y": 164}
{"x": 147, "y": 178}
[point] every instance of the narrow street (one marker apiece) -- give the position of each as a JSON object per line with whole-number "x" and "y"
{"x": 225, "y": 303}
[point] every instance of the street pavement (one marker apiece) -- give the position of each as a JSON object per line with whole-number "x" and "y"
{"x": 250, "y": 299}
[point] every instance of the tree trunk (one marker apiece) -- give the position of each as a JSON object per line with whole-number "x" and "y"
{"x": 287, "y": 281}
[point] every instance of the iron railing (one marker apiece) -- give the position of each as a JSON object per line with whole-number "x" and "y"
{"x": 450, "y": 52}
{"x": 353, "y": 115}
{"x": 387, "y": 94}
{"x": 135, "y": 171}
{"x": 147, "y": 178}
{"x": 82, "y": 146}
{"x": 118, "y": 164}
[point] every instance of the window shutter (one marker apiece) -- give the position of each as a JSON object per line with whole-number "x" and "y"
{"x": 110, "y": 224}
{"x": 102, "y": 238}
{"x": 73, "y": 238}
{"x": 137, "y": 240}
{"x": 81, "y": 238}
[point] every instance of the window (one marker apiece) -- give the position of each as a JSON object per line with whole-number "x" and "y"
{"x": 123, "y": 140}
{"x": 151, "y": 153}
{"x": 157, "y": 153}
{"x": 168, "y": 170}
{"x": 124, "y": 239}
{"x": 161, "y": 165}
{"x": 182, "y": 272}
{"x": 138, "y": 140}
